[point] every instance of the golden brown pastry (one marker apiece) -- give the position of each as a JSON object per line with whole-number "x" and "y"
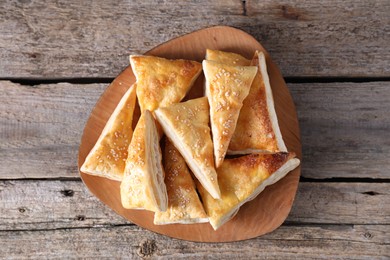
{"x": 161, "y": 82}
{"x": 143, "y": 184}
{"x": 257, "y": 126}
{"x": 186, "y": 125}
{"x": 107, "y": 158}
{"x": 184, "y": 205}
{"x": 241, "y": 180}
{"x": 228, "y": 58}
{"x": 226, "y": 88}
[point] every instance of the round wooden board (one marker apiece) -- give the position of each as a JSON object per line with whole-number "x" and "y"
{"x": 263, "y": 214}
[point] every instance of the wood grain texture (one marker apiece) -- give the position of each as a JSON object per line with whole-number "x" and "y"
{"x": 40, "y": 205}
{"x": 41, "y": 127}
{"x": 345, "y": 128}
{"x": 132, "y": 242}
{"x": 55, "y": 39}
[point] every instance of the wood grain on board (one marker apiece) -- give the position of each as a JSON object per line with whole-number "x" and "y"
{"x": 76, "y": 39}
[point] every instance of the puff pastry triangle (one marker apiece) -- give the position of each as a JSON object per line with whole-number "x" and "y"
{"x": 162, "y": 82}
{"x": 257, "y": 126}
{"x": 226, "y": 88}
{"x": 107, "y": 158}
{"x": 229, "y": 58}
{"x": 241, "y": 180}
{"x": 143, "y": 184}
{"x": 184, "y": 205}
{"x": 186, "y": 125}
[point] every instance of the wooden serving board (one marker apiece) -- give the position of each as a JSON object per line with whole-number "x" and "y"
{"x": 263, "y": 214}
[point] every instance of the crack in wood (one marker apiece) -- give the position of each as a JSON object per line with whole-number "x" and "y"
{"x": 346, "y": 180}
{"x": 244, "y": 8}
{"x": 100, "y": 226}
{"x": 371, "y": 193}
{"x": 41, "y": 81}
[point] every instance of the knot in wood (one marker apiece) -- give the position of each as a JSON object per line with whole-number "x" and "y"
{"x": 22, "y": 209}
{"x": 67, "y": 193}
{"x": 367, "y": 235}
{"x": 147, "y": 248}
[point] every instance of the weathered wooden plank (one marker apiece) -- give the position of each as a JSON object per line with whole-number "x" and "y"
{"x": 345, "y": 128}
{"x": 63, "y": 204}
{"x": 288, "y": 242}
{"x": 43, "y": 39}
{"x": 41, "y": 127}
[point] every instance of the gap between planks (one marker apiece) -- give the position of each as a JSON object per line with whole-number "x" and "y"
{"x": 81, "y": 81}
{"x": 301, "y": 179}
{"x": 286, "y": 224}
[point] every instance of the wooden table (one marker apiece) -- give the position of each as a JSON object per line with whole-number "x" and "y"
{"x": 57, "y": 57}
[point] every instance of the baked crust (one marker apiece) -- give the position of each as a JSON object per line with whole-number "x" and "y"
{"x": 107, "y": 157}
{"x": 186, "y": 125}
{"x": 184, "y": 205}
{"x": 143, "y": 184}
{"x": 241, "y": 180}
{"x": 162, "y": 82}
{"x": 229, "y": 58}
{"x": 226, "y": 88}
{"x": 257, "y": 127}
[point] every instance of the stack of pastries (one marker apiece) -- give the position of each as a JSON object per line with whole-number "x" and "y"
{"x": 200, "y": 160}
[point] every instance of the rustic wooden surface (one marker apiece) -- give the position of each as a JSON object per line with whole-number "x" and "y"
{"x": 335, "y": 56}
{"x": 58, "y": 39}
